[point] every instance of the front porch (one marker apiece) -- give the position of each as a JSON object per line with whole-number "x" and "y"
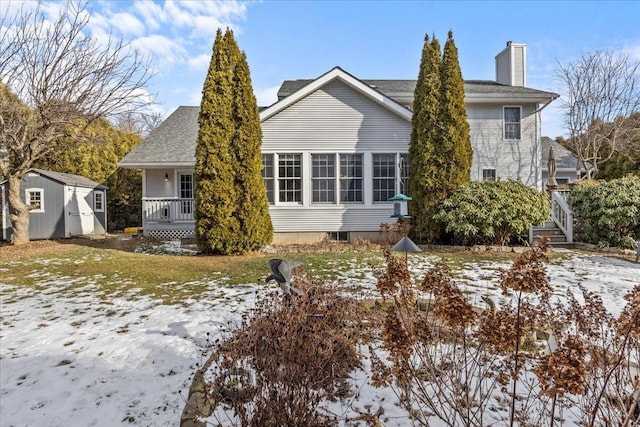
{"x": 168, "y": 218}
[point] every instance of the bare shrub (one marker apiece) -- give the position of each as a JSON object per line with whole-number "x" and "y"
{"x": 445, "y": 359}
{"x": 287, "y": 358}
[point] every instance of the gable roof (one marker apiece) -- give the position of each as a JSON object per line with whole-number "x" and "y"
{"x": 69, "y": 179}
{"x": 173, "y": 143}
{"x": 336, "y": 73}
{"x": 474, "y": 90}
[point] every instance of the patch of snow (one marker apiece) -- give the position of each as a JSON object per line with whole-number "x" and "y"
{"x": 70, "y": 356}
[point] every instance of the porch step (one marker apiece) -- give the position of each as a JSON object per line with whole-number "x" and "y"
{"x": 555, "y": 236}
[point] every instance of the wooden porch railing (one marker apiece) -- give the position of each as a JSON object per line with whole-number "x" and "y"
{"x": 562, "y": 214}
{"x": 167, "y": 210}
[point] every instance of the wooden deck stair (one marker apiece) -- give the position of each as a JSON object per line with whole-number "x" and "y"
{"x": 551, "y": 231}
{"x": 559, "y": 227}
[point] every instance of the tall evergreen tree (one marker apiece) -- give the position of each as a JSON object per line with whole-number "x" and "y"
{"x": 424, "y": 161}
{"x": 440, "y": 150}
{"x": 217, "y": 226}
{"x": 455, "y": 137}
{"x": 231, "y": 204}
{"x": 252, "y": 205}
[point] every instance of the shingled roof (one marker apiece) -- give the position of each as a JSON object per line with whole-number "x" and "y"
{"x": 173, "y": 143}
{"x": 69, "y": 179}
{"x": 564, "y": 158}
{"x": 402, "y": 90}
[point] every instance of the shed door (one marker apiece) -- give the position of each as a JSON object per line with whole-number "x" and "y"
{"x": 80, "y": 211}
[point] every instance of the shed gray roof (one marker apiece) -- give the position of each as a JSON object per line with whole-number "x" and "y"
{"x": 564, "y": 158}
{"x": 69, "y": 179}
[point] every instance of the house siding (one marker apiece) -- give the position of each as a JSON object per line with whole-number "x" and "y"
{"x": 154, "y": 184}
{"x": 512, "y": 159}
{"x": 334, "y": 119}
{"x": 518, "y": 66}
{"x": 503, "y": 68}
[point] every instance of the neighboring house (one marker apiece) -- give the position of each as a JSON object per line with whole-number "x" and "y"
{"x": 335, "y": 150}
{"x": 568, "y": 167}
{"x": 67, "y": 205}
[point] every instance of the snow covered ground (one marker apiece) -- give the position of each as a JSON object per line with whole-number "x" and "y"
{"x": 72, "y": 356}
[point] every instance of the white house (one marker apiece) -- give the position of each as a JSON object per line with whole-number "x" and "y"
{"x": 335, "y": 150}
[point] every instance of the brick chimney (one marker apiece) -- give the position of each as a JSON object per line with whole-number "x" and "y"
{"x": 511, "y": 65}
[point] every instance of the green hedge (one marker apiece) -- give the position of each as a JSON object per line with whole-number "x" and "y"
{"x": 608, "y": 213}
{"x": 493, "y": 212}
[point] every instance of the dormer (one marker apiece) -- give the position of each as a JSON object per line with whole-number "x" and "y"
{"x": 511, "y": 65}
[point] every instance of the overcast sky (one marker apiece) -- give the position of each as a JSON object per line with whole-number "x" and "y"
{"x": 369, "y": 39}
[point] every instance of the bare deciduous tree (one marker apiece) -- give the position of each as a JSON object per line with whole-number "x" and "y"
{"x": 52, "y": 73}
{"x": 139, "y": 123}
{"x": 602, "y": 91}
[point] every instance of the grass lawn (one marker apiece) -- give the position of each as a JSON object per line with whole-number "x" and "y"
{"x": 111, "y": 331}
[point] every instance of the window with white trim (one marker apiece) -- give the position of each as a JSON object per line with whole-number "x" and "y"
{"x": 267, "y": 176}
{"x": 404, "y": 173}
{"x": 98, "y": 201}
{"x": 384, "y": 176}
{"x": 290, "y": 178}
{"x": 186, "y": 192}
{"x": 351, "y": 178}
{"x": 512, "y": 118}
{"x": 488, "y": 174}
{"x": 35, "y": 198}
{"x": 323, "y": 178}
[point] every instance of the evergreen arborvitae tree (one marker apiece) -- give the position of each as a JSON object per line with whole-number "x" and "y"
{"x": 456, "y": 141}
{"x": 440, "y": 150}
{"x": 231, "y": 204}
{"x": 252, "y": 207}
{"x": 424, "y": 157}
{"x": 217, "y": 228}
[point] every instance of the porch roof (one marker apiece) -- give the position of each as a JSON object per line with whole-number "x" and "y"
{"x": 172, "y": 144}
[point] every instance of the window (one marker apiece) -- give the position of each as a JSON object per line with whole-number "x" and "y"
{"x": 323, "y": 179}
{"x": 384, "y": 177}
{"x": 34, "y": 198}
{"x": 290, "y": 178}
{"x": 186, "y": 192}
{"x": 512, "y": 122}
{"x": 351, "y": 178}
{"x": 267, "y": 175}
{"x": 488, "y": 174}
{"x": 98, "y": 201}
{"x": 404, "y": 173}
{"x": 338, "y": 236}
